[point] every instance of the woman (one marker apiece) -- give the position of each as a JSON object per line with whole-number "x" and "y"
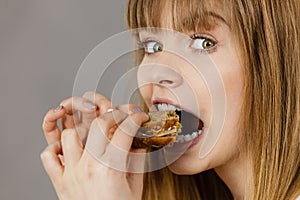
{"x": 253, "y": 44}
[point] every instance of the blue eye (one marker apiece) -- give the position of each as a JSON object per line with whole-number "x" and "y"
{"x": 152, "y": 46}
{"x": 201, "y": 43}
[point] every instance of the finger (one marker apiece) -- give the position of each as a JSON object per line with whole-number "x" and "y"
{"x": 83, "y": 133}
{"x": 127, "y": 130}
{"x": 50, "y": 127}
{"x": 71, "y": 146}
{"x": 72, "y": 106}
{"x": 116, "y": 152}
{"x": 101, "y": 101}
{"x": 87, "y": 118}
{"x": 136, "y": 161}
{"x": 129, "y": 108}
{"x": 99, "y": 133}
{"x": 51, "y": 161}
{"x": 121, "y": 160}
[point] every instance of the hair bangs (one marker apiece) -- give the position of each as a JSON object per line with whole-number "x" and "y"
{"x": 169, "y": 14}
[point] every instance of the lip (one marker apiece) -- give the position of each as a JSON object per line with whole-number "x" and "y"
{"x": 158, "y": 100}
{"x": 195, "y": 141}
{"x": 181, "y": 148}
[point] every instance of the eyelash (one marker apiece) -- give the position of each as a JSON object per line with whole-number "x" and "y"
{"x": 203, "y": 51}
{"x": 194, "y": 37}
{"x": 142, "y": 45}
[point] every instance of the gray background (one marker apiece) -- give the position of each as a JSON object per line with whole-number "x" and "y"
{"x": 42, "y": 44}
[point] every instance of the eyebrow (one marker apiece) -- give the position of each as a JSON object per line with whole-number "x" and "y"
{"x": 218, "y": 17}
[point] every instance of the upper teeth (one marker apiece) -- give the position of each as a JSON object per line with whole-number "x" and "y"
{"x": 164, "y": 107}
{"x": 180, "y": 138}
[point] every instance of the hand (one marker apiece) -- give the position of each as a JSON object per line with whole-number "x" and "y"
{"x": 98, "y": 171}
{"x": 90, "y": 106}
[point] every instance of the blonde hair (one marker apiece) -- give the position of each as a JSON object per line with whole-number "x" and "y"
{"x": 267, "y": 35}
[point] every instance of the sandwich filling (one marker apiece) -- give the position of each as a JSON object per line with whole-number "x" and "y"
{"x": 166, "y": 126}
{"x": 162, "y": 128}
{"x": 191, "y": 125}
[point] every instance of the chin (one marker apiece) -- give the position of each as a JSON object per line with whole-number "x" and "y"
{"x": 188, "y": 166}
{"x": 182, "y": 170}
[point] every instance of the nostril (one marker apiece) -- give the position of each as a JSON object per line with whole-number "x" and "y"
{"x": 166, "y": 82}
{"x": 159, "y": 75}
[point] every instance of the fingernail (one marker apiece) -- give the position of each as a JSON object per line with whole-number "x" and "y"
{"x": 58, "y": 108}
{"x": 136, "y": 110}
{"x": 89, "y": 105}
{"x": 110, "y": 110}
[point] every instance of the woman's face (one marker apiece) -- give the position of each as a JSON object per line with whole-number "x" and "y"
{"x": 195, "y": 72}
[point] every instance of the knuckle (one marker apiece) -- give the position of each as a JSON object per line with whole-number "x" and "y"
{"x": 118, "y": 115}
{"x": 87, "y": 171}
{"x": 45, "y": 124}
{"x": 102, "y": 125}
{"x": 45, "y": 155}
{"x": 132, "y": 122}
{"x": 140, "y": 117}
{"x": 94, "y": 122}
{"x": 68, "y": 134}
{"x": 101, "y": 120}
{"x": 126, "y": 107}
{"x": 46, "y": 117}
{"x": 114, "y": 161}
{"x": 64, "y": 102}
{"x": 89, "y": 94}
{"x": 68, "y": 100}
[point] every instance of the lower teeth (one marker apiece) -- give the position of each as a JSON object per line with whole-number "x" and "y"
{"x": 188, "y": 137}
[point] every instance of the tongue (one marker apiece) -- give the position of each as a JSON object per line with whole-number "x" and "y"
{"x": 189, "y": 122}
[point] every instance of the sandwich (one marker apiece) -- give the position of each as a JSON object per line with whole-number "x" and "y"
{"x": 162, "y": 129}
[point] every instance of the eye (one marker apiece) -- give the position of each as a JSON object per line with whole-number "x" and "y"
{"x": 152, "y": 46}
{"x": 202, "y": 43}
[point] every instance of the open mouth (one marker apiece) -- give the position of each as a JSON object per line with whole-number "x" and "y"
{"x": 192, "y": 126}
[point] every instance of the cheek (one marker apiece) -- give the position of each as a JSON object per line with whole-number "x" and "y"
{"x": 144, "y": 88}
{"x": 146, "y": 93}
{"x": 233, "y": 83}
{"x": 233, "y": 79}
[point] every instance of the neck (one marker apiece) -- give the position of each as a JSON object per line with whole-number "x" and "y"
{"x": 234, "y": 176}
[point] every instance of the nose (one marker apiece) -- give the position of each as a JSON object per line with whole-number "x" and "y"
{"x": 159, "y": 74}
